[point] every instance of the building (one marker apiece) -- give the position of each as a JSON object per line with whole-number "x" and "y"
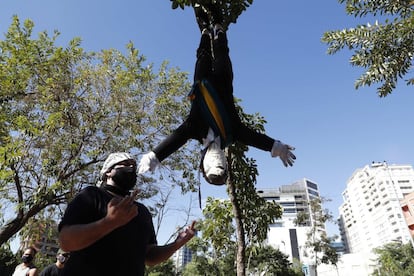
{"x": 287, "y": 233}
{"x": 43, "y": 236}
{"x": 349, "y": 264}
{"x": 407, "y": 206}
{"x": 371, "y": 214}
{"x": 182, "y": 257}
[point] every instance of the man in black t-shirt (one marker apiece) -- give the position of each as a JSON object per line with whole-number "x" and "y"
{"x": 56, "y": 268}
{"x": 107, "y": 232}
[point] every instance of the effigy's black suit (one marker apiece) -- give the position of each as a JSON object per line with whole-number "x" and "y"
{"x": 213, "y": 66}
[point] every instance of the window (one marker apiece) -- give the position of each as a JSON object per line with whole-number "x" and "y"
{"x": 273, "y": 198}
{"x": 289, "y": 210}
{"x": 313, "y": 192}
{"x": 311, "y": 185}
{"x": 287, "y": 203}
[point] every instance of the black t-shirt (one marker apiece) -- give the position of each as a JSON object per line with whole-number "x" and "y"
{"x": 51, "y": 270}
{"x": 121, "y": 252}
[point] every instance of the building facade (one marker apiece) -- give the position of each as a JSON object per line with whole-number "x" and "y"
{"x": 286, "y": 234}
{"x": 371, "y": 214}
{"x": 407, "y": 206}
{"x": 182, "y": 257}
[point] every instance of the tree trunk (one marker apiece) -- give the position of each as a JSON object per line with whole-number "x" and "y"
{"x": 14, "y": 225}
{"x": 241, "y": 242}
{"x": 9, "y": 229}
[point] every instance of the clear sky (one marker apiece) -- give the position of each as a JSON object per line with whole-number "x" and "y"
{"x": 281, "y": 71}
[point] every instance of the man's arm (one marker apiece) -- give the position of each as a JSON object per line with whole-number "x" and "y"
{"x": 33, "y": 272}
{"x": 158, "y": 254}
{"x": 78, "y": 236}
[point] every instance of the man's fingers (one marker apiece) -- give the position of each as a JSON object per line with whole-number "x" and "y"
{"x": 134, "y": 194}
{"x": 114, "y": 201}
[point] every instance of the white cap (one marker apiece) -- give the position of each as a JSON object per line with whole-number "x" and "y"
{"x": 113, "y": 159}
{"x": 214, "y": 164}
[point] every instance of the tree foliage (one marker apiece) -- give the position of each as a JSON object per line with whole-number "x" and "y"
{"x": 385, "y": 49}
{"x": 63, "y": 110}
{"x": 231, "y": 9}
{"x": 252, "y": 214}
{"x": 318, "y": 244}
{"x": 263, "y": 260}
{"x": 166, "y": 268}
{"x": 8, "y": 261}
{"x": 203, "y": 266}
{"x": 217, "y": 225}
{"x": 245, "y": 218}
{"x": 266, "y": 260}
{"x": 395, "y": 259}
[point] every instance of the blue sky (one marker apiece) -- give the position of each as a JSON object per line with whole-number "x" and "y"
{"x": 281, "y": 71}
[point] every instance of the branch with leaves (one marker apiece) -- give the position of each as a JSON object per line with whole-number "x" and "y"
{"x": 385, "y": 50}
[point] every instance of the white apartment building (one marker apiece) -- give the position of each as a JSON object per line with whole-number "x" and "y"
{"x": 182, "y": 257}
{"x": 371, "y": 214}
{"x": 284, "y": 234}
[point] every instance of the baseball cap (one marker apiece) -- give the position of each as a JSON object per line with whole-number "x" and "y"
{"x": 113, "y": 159}
{"x": 214, "y": 165}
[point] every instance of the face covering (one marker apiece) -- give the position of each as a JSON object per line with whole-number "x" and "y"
{"x": 27, "y": 259}
{"x": 125, "y": 178}
{"x": 62, "y": 259}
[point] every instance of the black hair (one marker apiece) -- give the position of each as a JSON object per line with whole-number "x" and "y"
{"x": 32, "y": 248}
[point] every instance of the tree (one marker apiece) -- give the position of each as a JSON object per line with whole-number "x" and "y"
{"x": 252, "y": 214}
{"x": 231, "y": 9}
{"x": 166, "y": 268}
{"x": 395, "y": 259}
{"x": 201, "y": 265}
{"x": 8, "y": 261}
{"x": 266, "y": 260}
{"x": 385, "y": 49}
{"x": 262, "y": 259}
{"x": 318, "y": 242}
{"x": 63, "y": 110}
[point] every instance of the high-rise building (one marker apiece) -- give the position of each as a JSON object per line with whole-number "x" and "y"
{"x": 182, "y": 257}
{"x": 371, "y": 213}
{"x": 43, "y": 237}
{"x": 286, "y": 234}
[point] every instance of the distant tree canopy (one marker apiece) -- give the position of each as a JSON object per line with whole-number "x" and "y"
{"x": 385, "y": 49}
{"x": 395, "y": 259}
{"x": 63, "y": 110}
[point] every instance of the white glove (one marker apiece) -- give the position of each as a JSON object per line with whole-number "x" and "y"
{"x": 148, "y": 162}
{"x": 284, "y": 153}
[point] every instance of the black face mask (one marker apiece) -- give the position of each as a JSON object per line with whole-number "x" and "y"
{"x": 27, "y": 259}
{"x": 125, "y": 178}
{"x": 62, "y": 259}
